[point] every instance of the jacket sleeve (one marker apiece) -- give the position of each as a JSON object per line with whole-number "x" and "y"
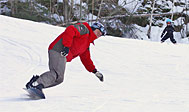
{"x": 68, "y": 35}
{"x": 164, "y": 31}
{"x": 86, "y": 60}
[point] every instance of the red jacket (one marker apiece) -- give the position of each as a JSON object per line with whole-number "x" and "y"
{"x": 78, "y": 38}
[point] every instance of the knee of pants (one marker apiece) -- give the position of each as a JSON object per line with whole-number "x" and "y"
{"x": 60, "y": 80}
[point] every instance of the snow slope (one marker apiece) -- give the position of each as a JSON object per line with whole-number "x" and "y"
{"x": 140, "y": 76}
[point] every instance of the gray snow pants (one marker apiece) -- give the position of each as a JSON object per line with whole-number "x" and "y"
{"x": 55, "y": 76}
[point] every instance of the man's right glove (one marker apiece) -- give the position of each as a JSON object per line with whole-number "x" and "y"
{"x": 99, "y": 75}
{"x": 65, "y": 51}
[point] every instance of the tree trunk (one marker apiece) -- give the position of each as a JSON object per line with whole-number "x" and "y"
{"x": 71, "y": 13}
{"x": 13, "y": 4}
{"x": 88, "y": 10}
{"x": 99, "y": 10}
{"x": 32, "y": 7}
{"x": 187, "y": 19}
{"x": 12, "y": 7}
{"x": 66, "y": 12}
{"x": 92, "y": 9}
{"x": 50, "y": 7}
{"x": 173, "y": 9}
{"x": 149, "y": 30}
{"x": 80, "y": 10}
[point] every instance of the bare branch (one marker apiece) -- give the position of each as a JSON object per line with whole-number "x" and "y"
{"x": 144, "y": 15}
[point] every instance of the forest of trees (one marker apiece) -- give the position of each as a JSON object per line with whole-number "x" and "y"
{"x": 118, "y": 19}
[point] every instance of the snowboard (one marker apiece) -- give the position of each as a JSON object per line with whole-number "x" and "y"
{"x": 35, "y": 93}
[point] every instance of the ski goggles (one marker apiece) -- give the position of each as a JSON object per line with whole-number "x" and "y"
{"x": 103, "y": 31}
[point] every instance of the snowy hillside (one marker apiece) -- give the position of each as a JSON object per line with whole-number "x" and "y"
{"x": 140, "y": 76}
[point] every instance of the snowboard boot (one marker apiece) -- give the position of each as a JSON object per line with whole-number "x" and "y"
{"x": 33, "y": 83}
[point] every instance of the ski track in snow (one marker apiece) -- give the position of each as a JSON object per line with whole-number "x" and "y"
{"x": 34, "y": 59}
{"x": 29, "y": 57}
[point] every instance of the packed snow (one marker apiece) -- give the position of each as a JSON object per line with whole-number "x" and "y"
{"x": 140, "y": 76}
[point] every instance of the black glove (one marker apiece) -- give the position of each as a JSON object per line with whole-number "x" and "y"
{"x": 99, "y": 75}
{"x": 65, "y": 51}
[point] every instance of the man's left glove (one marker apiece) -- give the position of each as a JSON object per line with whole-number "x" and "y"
{"x": 65, "y": 51}
{"x": 99, "y": 75}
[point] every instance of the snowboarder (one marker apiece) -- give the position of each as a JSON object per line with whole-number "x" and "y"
{"x": 73, "y": 42}
{"x": 169, "y": 29}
